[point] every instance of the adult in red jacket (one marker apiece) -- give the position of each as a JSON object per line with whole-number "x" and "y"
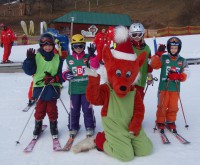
{"x": 99, "y": 40}
{"x": 7, "y": 39}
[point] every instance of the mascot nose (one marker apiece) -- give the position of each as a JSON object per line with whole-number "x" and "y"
{"x": 122, "y": 88}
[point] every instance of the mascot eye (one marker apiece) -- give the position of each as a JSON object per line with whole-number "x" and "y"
{"x": 128, "y": 74}
{"x": 118, "y": 73}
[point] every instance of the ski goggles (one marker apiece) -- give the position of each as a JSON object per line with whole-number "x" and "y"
{"x": 76, "y": 46}
{"x": 136, "y": 34}
{"x": 46, "y": 41}
{"x": 174, "y": 41}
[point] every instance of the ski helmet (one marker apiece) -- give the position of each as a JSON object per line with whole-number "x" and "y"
{"x": 46, "y": 39}
{"x": 78, "y": 40}
{"x": 136, "y": 29}
{"x": 174, "y": 41}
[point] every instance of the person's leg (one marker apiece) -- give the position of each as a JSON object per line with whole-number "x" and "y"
{"x": 74, "y": 112}
{"x": 89, "y": 118}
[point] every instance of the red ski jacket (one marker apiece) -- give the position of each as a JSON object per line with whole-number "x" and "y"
{"x": 7, "y": 36}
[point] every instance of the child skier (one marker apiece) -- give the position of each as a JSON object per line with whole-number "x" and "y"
{"x": 136, "y": 33}
{"x": 174, "y": 69}
{"x": 47, "y": 70}
{"x": 78, "y": 81}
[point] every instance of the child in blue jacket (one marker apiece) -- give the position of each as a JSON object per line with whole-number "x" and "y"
{"x": 47, "y": 70}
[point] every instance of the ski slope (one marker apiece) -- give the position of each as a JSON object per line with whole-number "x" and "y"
{"x": 13, "y": 98}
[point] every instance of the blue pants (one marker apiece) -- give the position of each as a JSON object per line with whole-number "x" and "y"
{"x": 79, "y": 101}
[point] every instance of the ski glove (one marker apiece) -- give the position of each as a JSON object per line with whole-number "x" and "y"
{"x": 50, "y": 79}
{"x": 67, "y": 75}
{"x": 91, "y": 50}
{"x": 30, "y": 53}
{"x": 2, "y": 45}
{"x": 175, "y": 76}
{"x": 161, "y": 50}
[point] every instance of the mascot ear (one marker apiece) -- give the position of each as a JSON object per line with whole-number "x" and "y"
{"x": 141, "y": 58}
{"x": 106, "y": 54}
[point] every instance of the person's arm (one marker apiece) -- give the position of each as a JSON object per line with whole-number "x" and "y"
{"x": 138, "y": 115}
{"x": 59, "y": 73}
{"x": 29, "y": 64}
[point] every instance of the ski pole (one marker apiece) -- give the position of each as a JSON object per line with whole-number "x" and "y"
{"x": 186, "y": 125}
{"x": 60, "y": 99}
{"x": 154, "y": 79}
{"x": 48, "y": 74}
{"x": 17, "y": 142}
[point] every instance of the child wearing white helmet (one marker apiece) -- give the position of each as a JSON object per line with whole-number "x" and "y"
{"x": 136, "y": 33}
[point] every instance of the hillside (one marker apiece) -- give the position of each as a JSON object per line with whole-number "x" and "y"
{"x": 153, "y": 14}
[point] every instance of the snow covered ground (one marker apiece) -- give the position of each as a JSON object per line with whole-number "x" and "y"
{"x": 13, "y": 98}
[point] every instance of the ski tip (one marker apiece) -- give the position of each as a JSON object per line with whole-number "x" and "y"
{"x": 58, "y": 149}
{"x": 167, "y": 142}
{"x": 65, "y": 149}
{"x": 187, "y": 142}
{"x": 25, "y": 151}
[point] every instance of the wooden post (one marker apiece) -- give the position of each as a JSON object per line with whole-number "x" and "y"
{"x": 188, "y": 29}
{"x": 147, "y": 32}
{"x": 72, "y": 21}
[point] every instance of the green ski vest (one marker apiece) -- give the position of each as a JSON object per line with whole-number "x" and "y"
{"x": 79, "y": 83}
{"x": 144, "y": 67}
{"x": 43, "y": 66}
{"x": 169, "y": 64}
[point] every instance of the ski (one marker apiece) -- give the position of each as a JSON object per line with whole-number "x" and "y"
{"x": 28, "y": 106}
{"x": 56, "y": 144}
{"x": 31, "y": 145}
{"x": 164, "y": 138}
{"x": 179, "y": 137}
{"x": 69, "y": 143}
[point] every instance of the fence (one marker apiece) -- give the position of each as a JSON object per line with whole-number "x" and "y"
{"x": 170, "y": 31}
{"x": 149, "y": 33}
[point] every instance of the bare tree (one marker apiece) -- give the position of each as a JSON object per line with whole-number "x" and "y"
{"x": 190, "y": 8}
{"x": 52, "y": 6}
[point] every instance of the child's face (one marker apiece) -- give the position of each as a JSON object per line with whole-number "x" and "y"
{"x": 137, "y": 39}
{"x": 137, "y": 36}
{"x": 78, "y": 48}
{"x": 174, "y": 49}
{"x": 48, "y": 48}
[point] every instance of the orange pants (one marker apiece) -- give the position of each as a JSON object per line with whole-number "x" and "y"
{"x": 167, "y": 106}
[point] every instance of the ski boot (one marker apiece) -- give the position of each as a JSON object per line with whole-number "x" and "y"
{"x": 73, "y": 133}
{"x": 89, "y": 132}
{"x": 54, "y": 129}
{"x": 31, "y": 102}
{"x": 7, "y": 62}
{"x": 171, "y": 126}
{"x": 37, "y": 129}
{"x": 161, "y": 127}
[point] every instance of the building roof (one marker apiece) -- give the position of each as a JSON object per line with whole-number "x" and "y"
{"x": 95, "y": 18}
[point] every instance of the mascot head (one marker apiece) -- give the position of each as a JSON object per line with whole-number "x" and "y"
{"x": 122, "y": 64}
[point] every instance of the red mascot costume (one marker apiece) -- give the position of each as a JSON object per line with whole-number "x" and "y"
{"x": 123, "y": 110}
